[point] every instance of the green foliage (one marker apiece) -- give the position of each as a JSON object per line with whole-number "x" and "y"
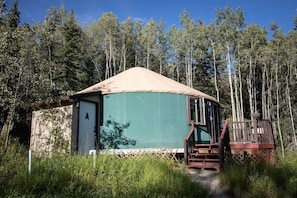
{"x": 70, "y": 57}
{"x": 14, "y": 16}
{"x": 145, "y": 175}
{"x": 10, "y": 160}
{"x": 262, "y": 179}
{"x": 3, "y": 12}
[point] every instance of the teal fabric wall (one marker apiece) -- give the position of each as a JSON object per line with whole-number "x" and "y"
{"x": 157, "y": 120}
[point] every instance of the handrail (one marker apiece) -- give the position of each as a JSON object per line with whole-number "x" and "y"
{"x": 191, "y": 131}
{"x": 221, "y": 145}
{"x": 186, "y": 141}
{"x": 224, "y": 130}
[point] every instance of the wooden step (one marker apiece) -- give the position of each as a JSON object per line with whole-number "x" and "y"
{"x": 203, "y": 160}
{"x": 205, "y": 156}
{"x": 207, "y": 146}
{"x": 206, "y": 150}
{"x": 196, "y": 154}
{"x": 212, "y": 165}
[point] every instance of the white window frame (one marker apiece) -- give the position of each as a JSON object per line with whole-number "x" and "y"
{"x": 197, "y": 101}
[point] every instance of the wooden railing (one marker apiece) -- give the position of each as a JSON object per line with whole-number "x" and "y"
{"x": 189, "y": 142}
{"x": 252, "y": 131}
{"x": 223, "y": 143}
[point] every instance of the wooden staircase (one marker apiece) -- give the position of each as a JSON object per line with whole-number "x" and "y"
{"x": 204, "y": 156}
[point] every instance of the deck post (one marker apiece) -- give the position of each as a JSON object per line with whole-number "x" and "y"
{"x": 255, "y": 127}
{"x": 186, "y": 151}
{"x": 221, "y": 154}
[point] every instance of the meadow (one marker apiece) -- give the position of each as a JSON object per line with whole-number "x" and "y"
{"x": 147, "y": 175}
{"x": 76, "y": 176}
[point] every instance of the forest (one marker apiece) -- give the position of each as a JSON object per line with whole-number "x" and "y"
{"x": 238, "y": 64}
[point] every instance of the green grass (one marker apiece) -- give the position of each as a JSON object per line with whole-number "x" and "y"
{"x": 262, "y": 179}
{"x": 144, "y": 176}
{"x": 75, "y": 176}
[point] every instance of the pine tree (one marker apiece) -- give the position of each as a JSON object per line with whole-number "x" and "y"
{"x": 50, "y": 37}
{"x": 70, "y": 58}
{"x": 14, "y": 16}
{"x": 3, "y": 12}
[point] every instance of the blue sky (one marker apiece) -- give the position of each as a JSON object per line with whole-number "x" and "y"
{"x": 262, "y": 12}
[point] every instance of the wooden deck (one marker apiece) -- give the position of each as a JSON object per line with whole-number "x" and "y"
{"x": 252, "y": 140}
{"x": 243, "y": 140}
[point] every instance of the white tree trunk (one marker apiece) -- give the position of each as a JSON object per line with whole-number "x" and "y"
{"x": 240, "y": 92}
{"x": 215, "y": 70}
{"x": 230, "y": 83}
{"x": 250, "y": 88}
{"x": 291, "y": 113}
{"x": 264, "y": 95}
{"x": 278, "y": 109}
{"x": 237, "y": 103}
{"x": 147, "y": 56}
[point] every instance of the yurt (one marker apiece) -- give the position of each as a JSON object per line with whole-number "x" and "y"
{"x": 139, "y": 109}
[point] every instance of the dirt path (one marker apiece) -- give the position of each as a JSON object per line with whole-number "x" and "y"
{"x": 209, "y": 179}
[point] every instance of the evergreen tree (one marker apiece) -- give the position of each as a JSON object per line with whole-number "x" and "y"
{"x": 14, "y": 16}
{"x": 3, "y": 12}
{"x": 50, "y": 39}
{"x": 202, "y": 69}
{"x": 71, "y": 68}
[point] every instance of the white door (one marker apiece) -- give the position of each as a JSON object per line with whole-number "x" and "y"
{"x": 87, "y": 127}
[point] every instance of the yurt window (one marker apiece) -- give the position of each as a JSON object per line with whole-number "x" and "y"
{"x": 196, "y": 110}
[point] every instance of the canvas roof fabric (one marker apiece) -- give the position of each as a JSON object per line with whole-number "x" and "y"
{"x": 139, "y": 79}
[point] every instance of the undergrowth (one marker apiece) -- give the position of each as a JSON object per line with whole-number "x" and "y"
{"x": 145, "y": 176}
{"x": 262, "y": 179}
{"x": 75, "y": 176}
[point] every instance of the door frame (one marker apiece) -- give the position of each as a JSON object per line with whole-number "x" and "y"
{"x": 212, "y": 112}
{"x": 96, "y": 128}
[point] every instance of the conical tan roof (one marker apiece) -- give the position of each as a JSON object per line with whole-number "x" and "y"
{"x": 139, "y": 79}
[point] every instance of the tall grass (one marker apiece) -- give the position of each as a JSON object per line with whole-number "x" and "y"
{"x": 75, "y": 176}
{"x": 262, "y": 179}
